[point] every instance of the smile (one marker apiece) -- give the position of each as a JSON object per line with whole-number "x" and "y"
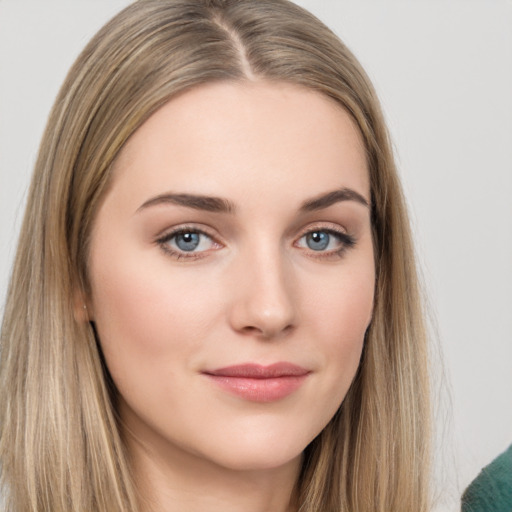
{"x": 259, "y": 383}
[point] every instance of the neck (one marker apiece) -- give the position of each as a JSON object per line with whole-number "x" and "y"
{"x": 171, "y": 479}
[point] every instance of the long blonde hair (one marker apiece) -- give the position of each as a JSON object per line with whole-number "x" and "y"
{"x": 60, "y": 445}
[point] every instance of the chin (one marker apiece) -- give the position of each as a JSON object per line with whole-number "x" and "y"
{"x": 259, "y": 453}
{"x": 258, "y": 460}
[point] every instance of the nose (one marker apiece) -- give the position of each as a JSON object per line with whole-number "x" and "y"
{"x": 264, "y": 303}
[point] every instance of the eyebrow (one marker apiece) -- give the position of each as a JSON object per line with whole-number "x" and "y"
{"x": 336, "y": 196}
{"x": 221, "y": 205}
{"x": 197, "y": 202}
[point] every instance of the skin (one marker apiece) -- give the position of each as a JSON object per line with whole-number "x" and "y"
{"x": 253, "y": 291}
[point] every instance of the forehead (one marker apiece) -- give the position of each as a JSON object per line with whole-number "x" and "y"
{"x": 235, "y": 138}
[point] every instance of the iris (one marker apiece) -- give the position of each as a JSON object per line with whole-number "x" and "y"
{"x": 318, "y": 240}
{"x": 187, "y": 241}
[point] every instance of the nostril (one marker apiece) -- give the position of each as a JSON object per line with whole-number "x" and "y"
{"x": 250, "y": 329}
{"x": 267, "y": 332}
{"x": 264, "y": 306}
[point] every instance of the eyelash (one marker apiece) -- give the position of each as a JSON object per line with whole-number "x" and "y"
{"x": 164, "y": 240}
{"x": 346, "y": 242}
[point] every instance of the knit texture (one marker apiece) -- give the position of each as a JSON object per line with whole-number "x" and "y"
{"x": 491, "y": 490}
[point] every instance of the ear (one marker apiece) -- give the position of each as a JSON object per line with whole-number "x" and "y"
{"x": 82, "y": 311}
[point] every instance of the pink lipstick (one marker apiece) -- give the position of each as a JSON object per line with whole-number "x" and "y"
{"x": 259, "y": 383}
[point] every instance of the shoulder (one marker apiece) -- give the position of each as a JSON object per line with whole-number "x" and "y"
{"x": 491, "y": 490}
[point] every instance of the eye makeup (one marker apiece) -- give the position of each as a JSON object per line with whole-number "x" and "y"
{"x": 320, "y": 241}
{"x": 325, "y": 241}
{"x": 188, "y": 242}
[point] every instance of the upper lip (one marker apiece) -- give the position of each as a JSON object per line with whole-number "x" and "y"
{"x": 258, "y": 371}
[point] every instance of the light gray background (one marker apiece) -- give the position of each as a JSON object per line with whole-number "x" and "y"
{"x": 443, "y": 70}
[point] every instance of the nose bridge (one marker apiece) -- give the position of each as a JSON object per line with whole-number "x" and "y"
{"x": 264, "y": 301}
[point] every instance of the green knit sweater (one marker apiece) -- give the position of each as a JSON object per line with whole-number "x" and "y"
{"x": 491, "y": 490}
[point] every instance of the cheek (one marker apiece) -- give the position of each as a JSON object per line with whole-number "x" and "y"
{"x": 145, "y": 316}
{"x": 340, "y": 315}
{"x": 341, "y": 308}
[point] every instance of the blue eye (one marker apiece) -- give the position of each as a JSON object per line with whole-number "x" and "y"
{"x": 187, "y": 241}
{"x": 318, "y": 240}
{"x": 327, "y": 241}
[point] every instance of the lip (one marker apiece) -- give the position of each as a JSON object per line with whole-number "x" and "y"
{"x": 259, "y": 383}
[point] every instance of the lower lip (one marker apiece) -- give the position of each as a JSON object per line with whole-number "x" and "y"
{"x": 260, "y": 390}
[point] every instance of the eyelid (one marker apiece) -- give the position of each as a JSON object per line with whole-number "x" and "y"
{"x": 179, "y": 228}
{"x": 322, "y": 226}
{"x": 168, "y": 234}
{"x": 347, "y": 241}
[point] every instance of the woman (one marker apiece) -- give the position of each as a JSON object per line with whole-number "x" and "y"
{"x": 214, "y": 303}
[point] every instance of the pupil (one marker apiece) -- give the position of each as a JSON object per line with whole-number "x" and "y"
{"x": 187, "y": 241}
{"x": 318, "y": 240}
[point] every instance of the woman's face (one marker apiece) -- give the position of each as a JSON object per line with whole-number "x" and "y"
{"x": 232, "y": 273}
